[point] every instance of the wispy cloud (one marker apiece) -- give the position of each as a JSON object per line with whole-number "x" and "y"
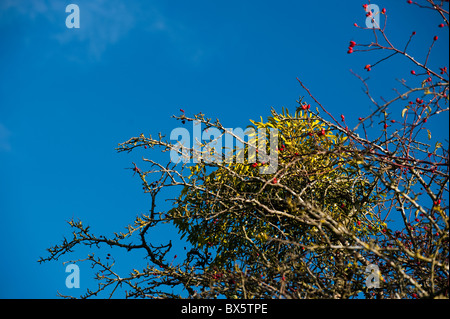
{"x": 30, "y": 8}
{"x": 103, "y": 23}
{"x": 4, "y": 138}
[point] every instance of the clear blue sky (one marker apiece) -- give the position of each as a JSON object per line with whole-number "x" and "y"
{"x": 69, "y": 96}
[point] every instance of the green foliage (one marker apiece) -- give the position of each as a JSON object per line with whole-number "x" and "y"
{"x": 259, "y": 220}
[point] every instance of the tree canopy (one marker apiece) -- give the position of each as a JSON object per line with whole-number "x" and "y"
{"x": 340, "y": 213}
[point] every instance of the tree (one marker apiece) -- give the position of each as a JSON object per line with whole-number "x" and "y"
{"x": 338, "y": 216}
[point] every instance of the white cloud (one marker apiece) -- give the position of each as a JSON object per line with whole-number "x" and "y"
{"x": 103, "y": 23}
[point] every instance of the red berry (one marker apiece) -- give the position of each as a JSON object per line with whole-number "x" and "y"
{"x": 385, "y": 126}
{"x": 435, "y": 38}
{"x": 352, "y": 44}
{"x": 181, "y": 110}
{"x": 383, "y": 11}
{"x": 350, "y": 51}
{"x": 418, "y": 101}
{"x": 409, "y": 1}
{"x": 343, "y": 118}
{"x": 413, "y": 72}
{"x": 358, "y": 222}
{"x": 306, "y": 106}
{"x": 429, "y": 154}
{"x": 367, "y": 67}
{"x": 417, "y": 219}
{"x": 360, "y": 118}
{"x": 355, "y": 24}
{"x": 365, "y": 6}
{"x": 414, "y": 33}
{"x": 441, "y": 25}
{"x": 274, "y": 181}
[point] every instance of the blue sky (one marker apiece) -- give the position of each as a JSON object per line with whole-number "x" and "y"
{"x": 69, "y": 96}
